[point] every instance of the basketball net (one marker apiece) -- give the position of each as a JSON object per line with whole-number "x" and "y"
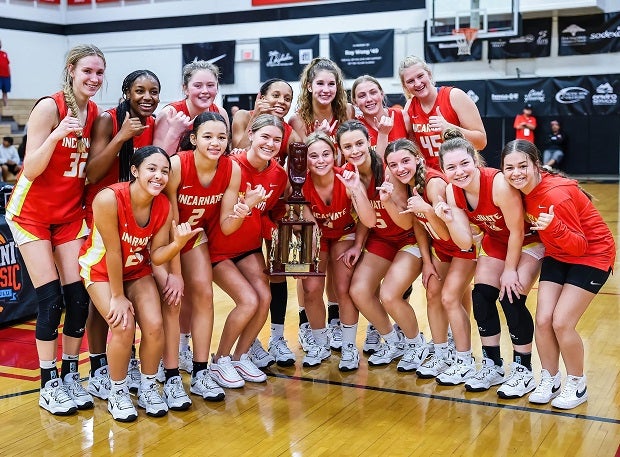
{"x": 464, "y": 39}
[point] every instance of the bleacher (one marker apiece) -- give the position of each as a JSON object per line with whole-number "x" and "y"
{"x": 14, "y": 117}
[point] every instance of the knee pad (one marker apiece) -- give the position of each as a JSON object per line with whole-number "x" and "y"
{"x": 50, "y": 311}
{"x": 485, "y": 309}
{"x": 76, "y": 301}
{"x": 519, "y": 319}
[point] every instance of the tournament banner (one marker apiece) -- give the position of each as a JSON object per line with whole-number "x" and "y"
{"x": 591, "y": 34}
{"x": 285, "y": 57}
{"x": 363, "y": 53}
{"x": 535, "y": 41}
{"x": 219, "y": 53}
{"x": 447, "y": 51}
{"x": 507, "y": 97}
{"x": 17, "y": 295}
{"x": 475, "y": 89}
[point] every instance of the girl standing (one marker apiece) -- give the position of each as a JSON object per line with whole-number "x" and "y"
{"x": 579, "y": 256}
{"x": 49, "y": 241}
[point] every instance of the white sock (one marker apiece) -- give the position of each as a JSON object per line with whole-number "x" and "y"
{"x": 349, "y": 333}
{"x": 277, "y": 331}
{"x": 320, "y": 336}
{"x": 184, "y": 342}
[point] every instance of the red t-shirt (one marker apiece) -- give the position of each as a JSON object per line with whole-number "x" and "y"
{"x": 526, "y": 133}
{"x": 5, "y": 70}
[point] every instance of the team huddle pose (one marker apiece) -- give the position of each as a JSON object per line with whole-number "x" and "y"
{"x": 149, "y": 212}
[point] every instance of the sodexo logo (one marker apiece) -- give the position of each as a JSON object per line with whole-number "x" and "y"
{"x": 572, "y": 94}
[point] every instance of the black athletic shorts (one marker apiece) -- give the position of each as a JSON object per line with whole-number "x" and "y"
{"x": 582, "y": 276}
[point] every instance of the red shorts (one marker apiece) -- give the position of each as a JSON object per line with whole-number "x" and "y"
{"x": 194, "y": 242}
{"x": 446, "y": 255}
{"x": 492, "y": 247}
{"x": 388, "y": 249}
{"x": 25, "y": 230}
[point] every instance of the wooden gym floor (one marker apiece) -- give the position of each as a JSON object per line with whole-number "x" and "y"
{"x": 321, "y": 411}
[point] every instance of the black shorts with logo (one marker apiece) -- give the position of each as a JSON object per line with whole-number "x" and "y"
{"x": 582, "y": 276}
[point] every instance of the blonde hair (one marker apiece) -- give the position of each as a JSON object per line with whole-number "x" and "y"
{"x": 74, "y": 55}
{"x": 365, "y": 78}
{"x": 191, "y": 68}
{"x": 453, "y": 139}
{"x": 410, "y": 61}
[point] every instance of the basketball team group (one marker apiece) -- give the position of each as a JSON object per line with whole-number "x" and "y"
{"x": 126, "y": 220}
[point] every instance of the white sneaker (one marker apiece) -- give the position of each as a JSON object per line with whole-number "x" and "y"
{"x": 79, "y": 395}
{"x": 414, "y": 356}
{"x": 202, "y": 384}
{"x": 574, "y": 393}
{"x": 225, "y": 374}
{"x": 151, "y": 401}
{"x": 488, "y": 375}
{"x": 99, "y": 383}
{"x": 386, "y": 353}
{"x": 458, "y": 373}
{"x": 161, "y": 372}
{"x": 260, "y": 357}
{"x": 175, "y": 396}
{"x": 548, "y": 388}
{"x": 54, "y": 398}
{"x": 316, "y": 355}
{"x": 433, "y": 366}
{"x": 372, "y": 341}
{"x": 280, "y": 351}
{"x": 306, "y": 338}
{"x": 133, "y": 375}
{"x": 186, "y": 360}
{"x": 520, "y": 382}
{"x": 121, "y": 407}
{"x": 335, "y": 336}
{"x": 349, "y": 358}
{"x": 247, "y": 370}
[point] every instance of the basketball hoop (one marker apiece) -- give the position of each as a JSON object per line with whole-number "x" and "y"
{"x": 464, "y": 39}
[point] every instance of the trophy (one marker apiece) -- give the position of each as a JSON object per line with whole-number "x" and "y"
{"x": 295, "y": 252}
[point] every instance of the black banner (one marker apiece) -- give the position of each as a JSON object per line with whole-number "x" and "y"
{"x": 360, "y": 53}
{"x": 506, "y": 97}
{"x": 17, "y": 296}
{"x": 220, "y": 53}
{"x": 535, "y": 41}
{"x": 476, "y": 90}
{"x": 604, "y": 96}
{"x": 285, "y": 57}
{"x": 447, "y": 51}
{"x": 591, "y": 34}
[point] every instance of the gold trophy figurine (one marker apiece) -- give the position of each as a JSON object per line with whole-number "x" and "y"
{"x": 295, "y": 254}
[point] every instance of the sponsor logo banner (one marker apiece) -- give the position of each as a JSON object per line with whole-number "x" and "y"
{"x": 285, "y": 57}
{"x": 535, "y": 41}
{"x": 591, "y": 34}
{"x": 219, "y": 53}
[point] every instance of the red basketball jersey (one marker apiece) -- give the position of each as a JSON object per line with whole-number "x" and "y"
{"x": 56, "y": 195}
{"x": 134, "y": 239}
{"x": 429, "y": 140}
{"x": 398, "y": 130}
{"x": 334, "y": 219}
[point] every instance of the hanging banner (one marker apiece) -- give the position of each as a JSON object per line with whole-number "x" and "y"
{"x": 506, "y": 97}
{"x": 604, "y": 95}
{"x": 219, "y": 53}
{"x": 361, "y": 53}
{"x": 534, "y": 42}
{"x": 573, "y": 95}
{"x": 591, "y": 34}
{"x": 476, "y": 90}
{"x": 285, "y": 57}
{"x": 447, "y": 51}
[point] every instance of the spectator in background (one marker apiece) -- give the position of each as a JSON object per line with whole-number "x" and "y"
{"x": 9, "y": 158}
{"x": 555, "y": 146}
{"x": 5, "y": 75}
{"x": 233, "y": 111}
{"x": 525, "y": 124}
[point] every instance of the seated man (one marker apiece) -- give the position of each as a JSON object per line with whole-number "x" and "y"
{"x": 555, "y": 146}
{"x": 9, "y": 158}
